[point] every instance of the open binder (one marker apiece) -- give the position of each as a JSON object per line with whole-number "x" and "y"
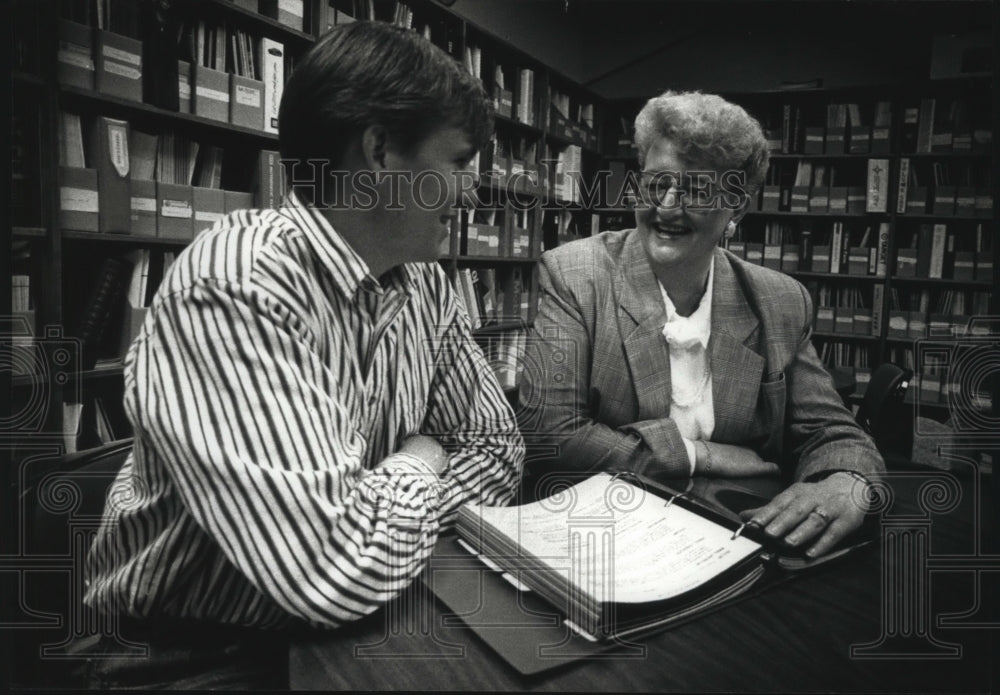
{"x": 604, "y": 562}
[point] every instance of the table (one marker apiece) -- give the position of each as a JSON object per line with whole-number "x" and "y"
{"x": 911, "y": 614}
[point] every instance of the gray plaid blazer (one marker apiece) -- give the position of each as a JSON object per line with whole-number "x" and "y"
{"x": 596, "y": 387}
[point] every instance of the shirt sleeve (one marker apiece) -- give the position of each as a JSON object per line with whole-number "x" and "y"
{"x": 554, "y": 410}
{"x": 265, "y": 455}
{"x": 470, "y": 416}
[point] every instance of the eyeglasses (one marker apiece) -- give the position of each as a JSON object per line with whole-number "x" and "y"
{"x": 697, "y": 191}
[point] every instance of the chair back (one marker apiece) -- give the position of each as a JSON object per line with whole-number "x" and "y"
{"x": 884, "y": 413}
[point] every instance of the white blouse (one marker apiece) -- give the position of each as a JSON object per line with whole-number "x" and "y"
{"x": 691, "y": 369}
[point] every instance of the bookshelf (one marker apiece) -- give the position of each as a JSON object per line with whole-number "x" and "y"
{"x": 883, "y": 173}
{"x": 59, "y": 256}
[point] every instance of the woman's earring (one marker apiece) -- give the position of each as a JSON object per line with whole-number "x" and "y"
{"x": 730, "y": 229}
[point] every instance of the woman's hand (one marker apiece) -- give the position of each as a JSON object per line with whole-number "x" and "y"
{"x": 820, "y": 513}
{"x": 730, "y": 461}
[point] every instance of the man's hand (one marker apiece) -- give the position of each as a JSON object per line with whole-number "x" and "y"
{"x": 820, "y": 513}
{"x": 730, "y": 461}
{"x": 427, "y": 450}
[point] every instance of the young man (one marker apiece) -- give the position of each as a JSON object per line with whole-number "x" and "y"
{"x": 309, "y": 405}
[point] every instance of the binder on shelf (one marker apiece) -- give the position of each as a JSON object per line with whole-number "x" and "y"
{"x": 118, "y": 62}
{"x": 836, "y": 128}
{"x": 944, "y": 200}
{"x": 770, "y": 198}
{"x": 984, "y": 266}
{"x": 917, "y": 325}
{"x": 209, "y": 207}
{"x": 211, "y": 93}
{"x": 772, "y": 256}
{"x": 878, "y": 295}
{"x": 109, "y": 155}
{"x": 269, "y": 189}
{"x": 800, "y": 199}
{"x": 755, "y": 252}
{"x": 856, "y": 199}
{"x": 819, "y": 198}
{"x": 246, "y": 102}
{"x": 789, "y": 258}
{"x": 906, "y": 263}
{"x": 236, "y": 200}
{"x": 925, "y": 239}
{"x": 857, "y": 260}
{"x": 815, "y": 137}
{"x": 904, "y": 182}
{"x": 78, "y": 199}
{"x": 838, "y": 199}
{"x": 75, "y": 61}
{"x": 272, "y": 62}
{"x": 984, "y": 202}
{"x": 878, "y": 185}
{"x": 899, "y": 323}
{"x": 862, "y": 321}
{"x": 965, "y": 201}
{"x": 291, "y": 13}
{"x": 882, "y": 250}
{"x": 935, "y": 267}
{"x": 925, "y": 125}
{"x": 964, "y": 266}
{"x": 820, "y": 258}
{"x": 825, "y": 319}
{"x": 881, "y": 128}
{"x": 843, "y": 320}
{"x": 175, "y": 211}
{"x": 184, "y": 86}
{"x": 916, "y": 200}
{"x": 143, "y": 207}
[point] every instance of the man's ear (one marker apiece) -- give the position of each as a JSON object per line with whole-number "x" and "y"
{"x": 374, "y": 144}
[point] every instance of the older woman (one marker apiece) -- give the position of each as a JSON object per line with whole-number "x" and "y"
{"x": 658, "y": 352}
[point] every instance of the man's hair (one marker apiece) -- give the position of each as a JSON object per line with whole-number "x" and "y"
{"x": 705, "y": 128}
{"x": 368, "y": 73}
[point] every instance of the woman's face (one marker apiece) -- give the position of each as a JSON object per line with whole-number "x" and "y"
{"x": 682, "y": 216}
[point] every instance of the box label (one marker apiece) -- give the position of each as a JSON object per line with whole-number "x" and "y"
{"x": 248, "y": 96}
{"x": 120, "y": 55}
{"x": 176, "y": 208}
{"x": 209, "y": 93}
{"x": 122, "y": 71}
{"x": 77, "y": 199}
{"x": 143, "y": 204}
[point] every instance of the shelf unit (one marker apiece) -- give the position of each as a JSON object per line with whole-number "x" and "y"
{"x": 61, "y": 261}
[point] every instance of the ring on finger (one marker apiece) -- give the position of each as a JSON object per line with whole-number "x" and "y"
{"x": 821, "y": 514}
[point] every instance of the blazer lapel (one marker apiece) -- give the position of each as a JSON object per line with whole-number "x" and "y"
{"x": 736, "y": 369}
{"x": 641, "y": 321}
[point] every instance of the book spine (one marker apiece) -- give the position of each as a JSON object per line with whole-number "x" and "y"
{"x": 878, "y": 294}
{"x": 904, "y": 176}
{"x": 938, "y": 240}
{"x": 882, "y": 251}
{"x": 878, "y": 185}
{"x": 273, "y": 65}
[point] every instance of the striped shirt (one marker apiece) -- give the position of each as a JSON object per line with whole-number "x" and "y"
{"x": 270, "y": 389}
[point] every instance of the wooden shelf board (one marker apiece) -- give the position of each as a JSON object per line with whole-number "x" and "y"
{"x": 133, "y": 107}
{"x": 76, "y": 235}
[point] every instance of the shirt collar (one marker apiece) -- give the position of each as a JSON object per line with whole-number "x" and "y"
{"x": 699, "y": 324}
{"x": 347, "y": 269}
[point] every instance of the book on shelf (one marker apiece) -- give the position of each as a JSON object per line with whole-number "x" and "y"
{"x": 102, "y": 303}
{"x": 272, "y": 62}
{"x": 627, "y": 556}
{"x": 878, "y": 185}
{"x": 925, "y": 125}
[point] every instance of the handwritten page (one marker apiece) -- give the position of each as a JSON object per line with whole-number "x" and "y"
{"x": 619, "y": 543}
